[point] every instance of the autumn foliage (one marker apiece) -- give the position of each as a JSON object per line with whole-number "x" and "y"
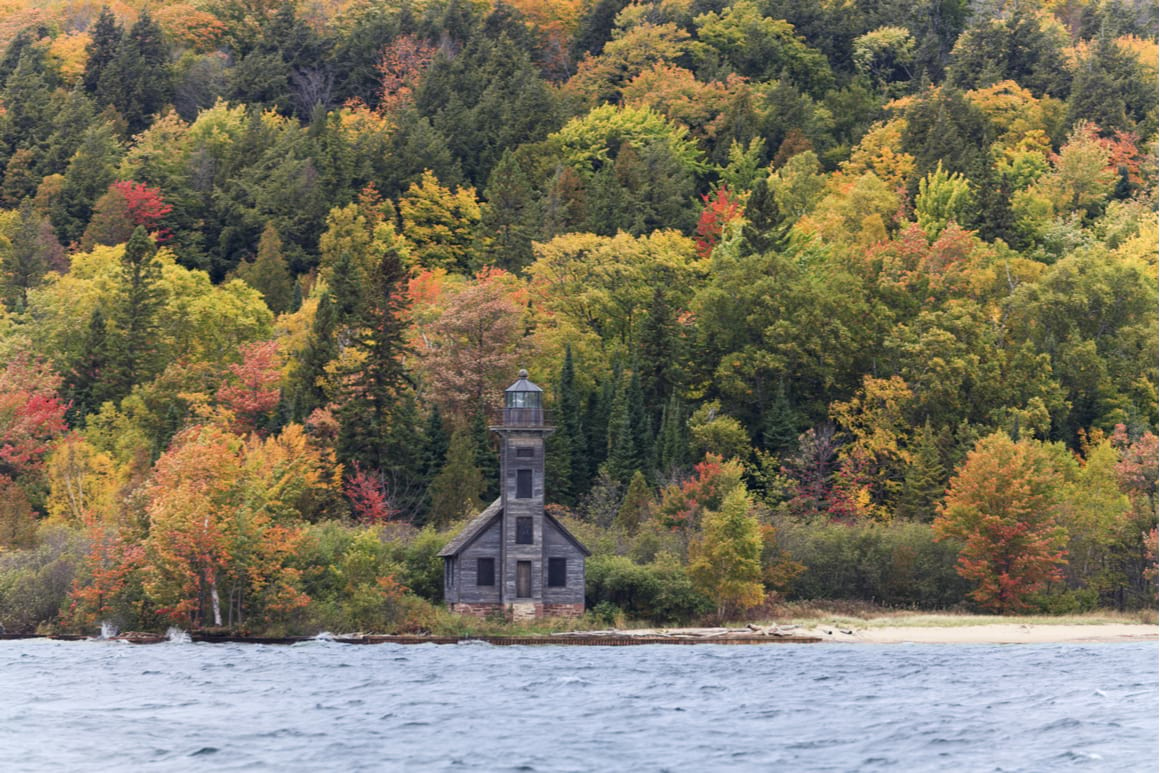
{"x": 1003, "y": 505}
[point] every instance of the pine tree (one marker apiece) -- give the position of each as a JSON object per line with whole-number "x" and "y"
{"x": 90, "y": 172}
{"x": 321, "y": 348}
{"x": 639, "y": 424}
{"x": 102, "y": 48}
{"x": 436, "y": 441}
{"x": 635, "y": 507}
{"x": 486, "y": 457}
{"x": 658, "y": 353}
{"x": 782, "y": 423}
{"x": 926, "y": 477}
{"x": 623, "y": 454}
{"x": 456, "y": 491}
{"x": 268, "y": 273}
{"x": 87, "y": 381}
{"x": 136, "y": 316}
{"x": 379, "y": 386}
{"x": 138, "y": 80}
{"x": 672, "y": 447}
{"x": 567, "y": 458}
{"x": 765, "y": 229}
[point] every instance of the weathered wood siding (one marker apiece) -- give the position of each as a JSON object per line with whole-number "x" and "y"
{"x": 556, "y": 545}
{"x": 487, "y": 545}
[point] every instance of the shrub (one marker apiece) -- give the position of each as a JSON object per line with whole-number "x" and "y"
{"x": 34, "y": 583}
{"x": 660, "y": 591}
{"x": 896, "y": 564}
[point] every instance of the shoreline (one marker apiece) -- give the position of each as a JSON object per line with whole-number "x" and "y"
{"x": 993, "y": 633}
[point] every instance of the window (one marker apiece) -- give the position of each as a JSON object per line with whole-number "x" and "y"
{"x": 485, "y": 571}
{"x": 524, "y": 453}
{"x": 557, "y": 572}
{"x": 523, "y": 531}
{"x": 523, "y": 484}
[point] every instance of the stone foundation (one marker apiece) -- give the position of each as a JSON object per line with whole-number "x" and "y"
{"x": 477, "y": 610}
{"x": 563, "y": 610}
{"x": 519, "y": 611}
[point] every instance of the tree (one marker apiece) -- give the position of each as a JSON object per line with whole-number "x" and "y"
{"x": 268, "y": 273}
{"x": 720, "y": 210}
{"x": 457, "y": 490}
{"x": 136, "y": 312}
{"x": 31, "y": 252}
{"x": 31, "y": 414}
{"x": 942, "y": 199}
{"x": 104, "y": 41}
{"x": 473, "y": 347}
{"x": 1013, "y": 543}
{"x": 90, "y": 171}
{"x": 637, "y": 504}
{"x": 725, "y": 560}
{"x": 442, "y": 224}
{"x": 252, "y": 393}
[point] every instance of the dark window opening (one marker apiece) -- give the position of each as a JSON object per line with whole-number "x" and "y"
{"x": 523, "y": 484}
{"x": 557, "y": 572}
{"x": 523, "y": 531}
{"x": 485, "y": 571}
{"x": 525, "y": 453}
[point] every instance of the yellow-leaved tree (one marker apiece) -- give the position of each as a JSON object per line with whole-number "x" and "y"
{"x": 725, "y": 560}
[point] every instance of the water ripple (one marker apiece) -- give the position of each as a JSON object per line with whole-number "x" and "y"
{"x": 324, "y": 706}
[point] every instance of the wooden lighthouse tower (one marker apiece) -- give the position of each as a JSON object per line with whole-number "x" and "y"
{"x": 513, "y": 557}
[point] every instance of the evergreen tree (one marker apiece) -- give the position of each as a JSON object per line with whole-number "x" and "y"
{"x": 486, "y": 457}
{"x": 567, "y": 458}
{"x": 321, "y": 348}
{"x": 436, "y": 441}
{"x": 634, "y": 509}
{"x": 623, "y": 443}
{"x": 765, "y": 227}
{"x": 268, "y": 273}
{"x": 102, "y": 49}
{"x": 29, "y": 111}
{"x": 782, "y": 423}
{"x": 87, "y": 382}
{"x": 455, "y": 492}
{"x": 672, "y": 447}
{"x": 639, "y": 423}
{"x": 138, "y": 80}
{"x": 373, "y": 408}
{"x": 135, "y": 355}
{"x": 658, "y": 353}
{"x": 90, "y": 172}
{"x": 926, "y": 477}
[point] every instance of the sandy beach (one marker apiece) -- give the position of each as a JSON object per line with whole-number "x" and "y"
{"x": 1002, "y": 633}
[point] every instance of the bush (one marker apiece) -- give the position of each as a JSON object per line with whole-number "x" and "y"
{"x": 659, "y": 591}
{"x": 896, "y": 564}
{"x": 34, "y": 583}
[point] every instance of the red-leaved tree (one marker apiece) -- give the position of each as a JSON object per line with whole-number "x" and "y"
{"x": 253, "y": 390}
{"x": 368, "y": 497}
{"x": 721, "y": 208}
{"x": 1003, "y": 504}
{"x": 31, "y": 414}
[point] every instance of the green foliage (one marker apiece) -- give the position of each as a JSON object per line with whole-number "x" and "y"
{"x": 660, "y": 591}
{"x": 34, "y": 583}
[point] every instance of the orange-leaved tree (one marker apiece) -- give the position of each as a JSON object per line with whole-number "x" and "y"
{"x": 1003, "y": 504}
{"x": 224, "y": 524}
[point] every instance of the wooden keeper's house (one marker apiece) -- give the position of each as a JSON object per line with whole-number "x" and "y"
{"x": 513, "y": 558}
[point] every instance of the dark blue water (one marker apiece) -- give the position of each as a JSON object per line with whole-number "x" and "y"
{"x": 333, "y": 707}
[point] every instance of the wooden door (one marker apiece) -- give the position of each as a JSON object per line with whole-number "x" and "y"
{"x": 523, "y": 579}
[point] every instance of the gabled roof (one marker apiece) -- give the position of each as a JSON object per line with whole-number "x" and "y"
{"x": 568, "y": 534}
{"x": 477, "y": 526}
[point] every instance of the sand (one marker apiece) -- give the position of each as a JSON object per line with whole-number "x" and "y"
{"x": 1002, "y": 633}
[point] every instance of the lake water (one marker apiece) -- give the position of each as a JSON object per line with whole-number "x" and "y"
{"x": 333, "y": 707}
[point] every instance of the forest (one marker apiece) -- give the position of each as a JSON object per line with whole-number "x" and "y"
{"x": 829, "y": 300}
